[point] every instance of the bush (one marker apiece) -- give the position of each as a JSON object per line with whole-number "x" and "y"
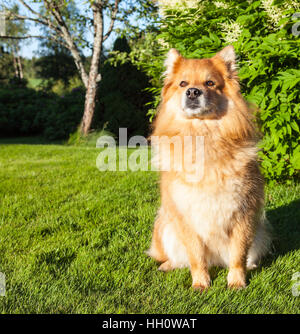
{"x": 25, "y": 111}
{"x": 64, "y": 119}
{"x": 77, "y": 139}
{"x": 122, "y": 96}
{"x": 261, "y": 33}
{"x": 54, "y": 110}
{"x": 18, "y": 110}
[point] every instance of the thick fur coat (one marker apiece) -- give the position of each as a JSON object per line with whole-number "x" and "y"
{"x": 213, "y": 215}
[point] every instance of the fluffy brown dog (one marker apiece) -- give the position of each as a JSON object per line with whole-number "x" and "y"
{"x": 211, "y": 215}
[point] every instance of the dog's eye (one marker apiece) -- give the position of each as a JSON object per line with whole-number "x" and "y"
{"x": 183, "y": 84}
{"x": 209, "y": 83}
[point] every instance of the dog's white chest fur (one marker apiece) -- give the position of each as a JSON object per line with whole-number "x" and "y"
{"x": 207, "y": 211}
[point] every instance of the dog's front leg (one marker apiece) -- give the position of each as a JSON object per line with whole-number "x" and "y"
{"x": 195, "y": 248}
{"x": 241, "y": 237}
{"x": 196, "y": 251}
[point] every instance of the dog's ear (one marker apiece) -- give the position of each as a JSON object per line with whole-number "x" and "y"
{"x": 228, "y": 56}
{"x": 172, "y": 58}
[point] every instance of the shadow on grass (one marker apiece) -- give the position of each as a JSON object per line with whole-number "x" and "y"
{"x": 285, "y": 222}
{"x": 285, "y": 235}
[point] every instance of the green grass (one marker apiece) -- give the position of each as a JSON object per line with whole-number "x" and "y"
{"x": 72, "y": 240}
{"x": 34, "y": 82}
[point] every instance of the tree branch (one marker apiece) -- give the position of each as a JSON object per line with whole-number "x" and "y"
{"x": 30, "y": 9}
{"x": 65, "y": 34}
{"x": 113, "y": 19}
{"x": 44, "y": 19}
{"x": 35, "y": 36}
{"x": 23, "y": 37}
{"x": 14, "y": 16}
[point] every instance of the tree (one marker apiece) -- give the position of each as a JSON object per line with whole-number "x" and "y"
{"x": 123, "y": 95}
{"x": 12, "y": 46}
{"x": 60, "y": 30}
{"x": 6, "y": 66}
{"x": 55, "y": 61}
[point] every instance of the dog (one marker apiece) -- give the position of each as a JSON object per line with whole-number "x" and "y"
{"x": 213, "y": 215}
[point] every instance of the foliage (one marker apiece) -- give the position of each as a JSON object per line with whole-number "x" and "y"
{"x": 261, "y": 33}
{"x": 13, "y": 28}
{"x": 6, "y": 66}
{"x": 12, "y": 46}
{"x": 56, "y": 66}
{"x": 76, "y": 139}
{"x": 144, "y": 49}
{"x": 60, "y": 87}
{"x": 25, "y": 111}
{"x": 122, "y": 96}
{"x": 54, "y": 108}
{"x": 66, "y": 115}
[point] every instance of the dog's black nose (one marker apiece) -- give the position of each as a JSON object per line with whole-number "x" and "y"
{"x": 193, "y": 93}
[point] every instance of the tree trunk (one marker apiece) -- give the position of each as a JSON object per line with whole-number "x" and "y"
{"x": 76, "y": 55}
{"x": 94, "y": 76}
{"x": 15, "y": 64}
{"x": 90, "y": 103}
{"x": 20, "y": 68}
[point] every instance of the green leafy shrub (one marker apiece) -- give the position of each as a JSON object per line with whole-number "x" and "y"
{"x": 18, "y": 110}
{"x": 122, "y": 96}
{"x": 77, "y": 139}
{"x": 25, "y": 111}
{"x": 267, "y": 50}
{"x": 64, "y": 119}
{"x": 55, "y": 107}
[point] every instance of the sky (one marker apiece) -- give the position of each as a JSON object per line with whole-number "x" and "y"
{"x": 29, "y": 47}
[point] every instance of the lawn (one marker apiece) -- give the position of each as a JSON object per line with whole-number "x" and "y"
{"x": 72, "y": 240}
{"x": 34, "y": 82}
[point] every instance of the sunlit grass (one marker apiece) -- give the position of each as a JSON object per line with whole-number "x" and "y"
{"x": 72, "y": 240}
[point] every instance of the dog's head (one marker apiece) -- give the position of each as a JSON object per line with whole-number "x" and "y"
{"x": 200, "y": 88}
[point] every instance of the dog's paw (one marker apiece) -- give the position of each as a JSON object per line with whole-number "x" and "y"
{"x": 200, "y": 287}
{"x": 251, "y": 266}
{"x": 166, "y": 266}
{"x": 236, "y": 279}
{"x": 202, "y": 283}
